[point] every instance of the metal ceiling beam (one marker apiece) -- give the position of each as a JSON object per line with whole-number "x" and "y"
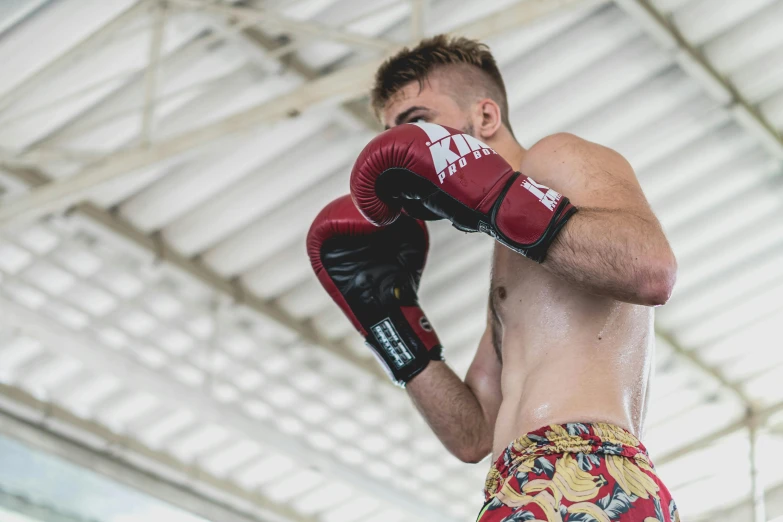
{"x": 267, "y": 17}
{"x": 264, "y": 49}
{"x": 517, "y": 15}
{"x": 126, "y": 99}
{"x": 22, "y": 12}
{"x": 356, "y": 108}
{"x": 762, "y": 415}
{"x": 693, "y": 61}
{"x": 736, "y": 389}
{"x": 72, "y": 55}
{"x": 232, "y": 288}
{"x": 51, "y": 428}
{"x": 347, "y": 84}
{"x": 151, "y": 80}
{"x": 180, "y": 396}
{"x": 757, "y": 482}
{"x": 418, "y": 15}
{"x": 703, "y": 442}
{"x": 742, "y": 511}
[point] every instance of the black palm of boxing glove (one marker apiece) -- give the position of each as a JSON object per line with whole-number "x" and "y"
{"x": 373, "y": 274}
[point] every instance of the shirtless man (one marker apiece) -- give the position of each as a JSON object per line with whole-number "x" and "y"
{"x": 558, "y": 388}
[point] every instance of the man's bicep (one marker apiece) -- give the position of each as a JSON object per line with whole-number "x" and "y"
{"x": 483, "y": 378}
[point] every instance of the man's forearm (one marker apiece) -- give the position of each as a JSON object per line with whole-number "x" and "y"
{"x": 452, "y": 411}
{"x": 615, "y": 253}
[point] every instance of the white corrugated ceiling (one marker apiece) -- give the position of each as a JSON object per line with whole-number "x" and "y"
{"x": 159, "y": 288}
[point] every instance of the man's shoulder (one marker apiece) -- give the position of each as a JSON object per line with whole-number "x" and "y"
{"x": 557, "y": 140}
{"x": 550, "y": 154}
{"x": 562, "y": 151}
{"x": 559, "y": 144}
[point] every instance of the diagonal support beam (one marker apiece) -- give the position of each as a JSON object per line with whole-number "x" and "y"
{"x": 257, "y": 15}
{"x": 706, "y": 369}
{"x": 358, "y": 109}
{"x": 761, "y": 417}
{"x": 693, "y": 61}
{"x": 518, "y": 15}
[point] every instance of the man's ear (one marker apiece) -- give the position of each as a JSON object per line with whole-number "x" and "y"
{"x": 488, "y": 119}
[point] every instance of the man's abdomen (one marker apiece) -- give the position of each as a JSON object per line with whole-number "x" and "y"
{"x": 574, "y": 358}
{"x": 553, "y": 394}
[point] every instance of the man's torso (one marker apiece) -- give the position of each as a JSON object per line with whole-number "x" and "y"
{"x": 567, "y": 356}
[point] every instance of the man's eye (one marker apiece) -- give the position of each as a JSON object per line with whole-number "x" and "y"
{"x": 419, "y": 119}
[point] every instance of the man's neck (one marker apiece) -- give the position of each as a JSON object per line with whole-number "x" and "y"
{"x": 508, "y": 148}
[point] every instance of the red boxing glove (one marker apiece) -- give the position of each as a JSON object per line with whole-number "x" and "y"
{"x": 373, "y": 274}
{"x": 434, "y": 172}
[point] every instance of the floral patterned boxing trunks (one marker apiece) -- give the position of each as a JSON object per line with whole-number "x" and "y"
{"x": 576, "y": 473}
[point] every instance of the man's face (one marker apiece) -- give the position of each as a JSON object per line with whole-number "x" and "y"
{"x": 431, "y": 103}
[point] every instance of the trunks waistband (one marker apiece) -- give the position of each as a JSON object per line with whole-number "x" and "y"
{"x": 580, "y": 439}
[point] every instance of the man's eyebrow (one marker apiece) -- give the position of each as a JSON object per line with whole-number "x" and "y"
{"x": 404, "y": 115}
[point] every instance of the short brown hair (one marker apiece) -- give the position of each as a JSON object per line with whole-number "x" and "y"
{"x": 435, "y": 53}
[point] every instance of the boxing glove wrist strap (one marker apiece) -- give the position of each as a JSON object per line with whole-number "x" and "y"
{"x": 516, "y": 206}
{"x": 401, "y": 360}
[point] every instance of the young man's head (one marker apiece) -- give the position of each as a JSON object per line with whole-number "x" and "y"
{"x": 450, "y": 81}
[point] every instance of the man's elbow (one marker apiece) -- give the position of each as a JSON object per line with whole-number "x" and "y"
{"x": 473, "y": 452}
{"x": 472, "y": 455}
{"x": 657, "y": 284}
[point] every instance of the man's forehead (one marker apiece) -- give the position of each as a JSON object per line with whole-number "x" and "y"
{"x": 412, "y": 94}
{"x": 401, "y": 99}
